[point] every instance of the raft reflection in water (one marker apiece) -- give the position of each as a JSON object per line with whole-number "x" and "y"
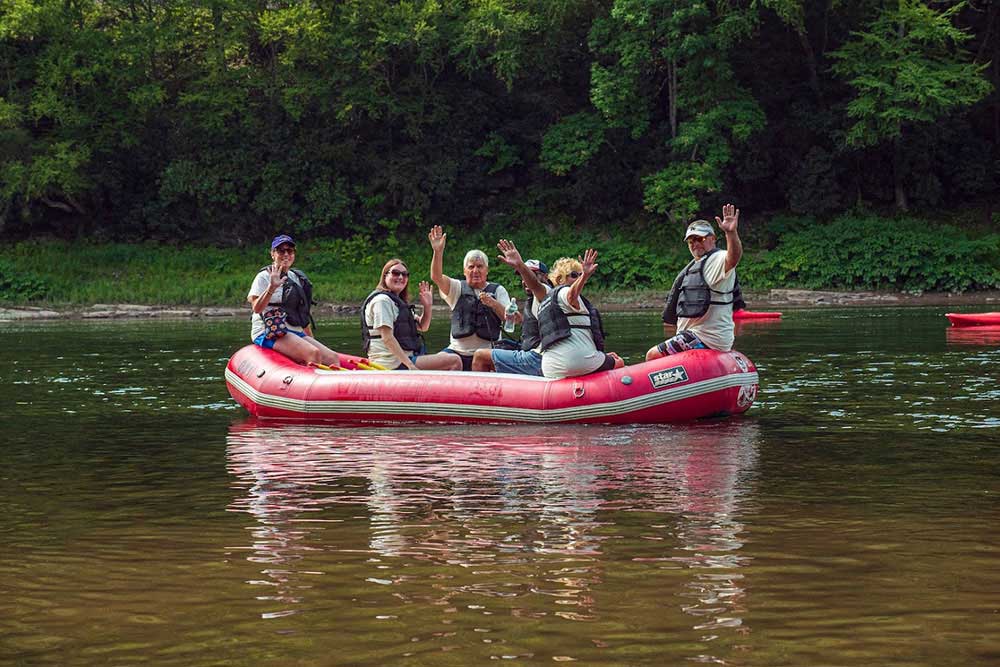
{"x": 560, "y": 521}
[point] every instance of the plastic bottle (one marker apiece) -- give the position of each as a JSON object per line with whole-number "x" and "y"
{"x": 508, "y": 324}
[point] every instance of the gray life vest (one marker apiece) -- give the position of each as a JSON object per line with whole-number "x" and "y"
{"x": 470, "y": 316}
{"x": 690, "y": 296}
{"x": 404, "y": 327}
{"x": 530, "y": 334}
{"x": 554, "y": 325}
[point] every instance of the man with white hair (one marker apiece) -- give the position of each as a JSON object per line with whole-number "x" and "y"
{"x": 478, "y": 307}
{"x": 705, "y": 293}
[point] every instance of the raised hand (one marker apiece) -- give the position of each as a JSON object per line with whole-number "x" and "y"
{"x": 510, "y": 256}
{"x": 275, "y": 272}
{"x": 426, "y": 294}
{"x": 437, "y": 237}
{"x": 589, "y": 262}
{"x": 730, "y": 218}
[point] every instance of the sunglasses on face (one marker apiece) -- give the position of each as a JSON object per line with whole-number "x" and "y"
{"x": 575, "y": 274}
{"x": 396, "y": 273}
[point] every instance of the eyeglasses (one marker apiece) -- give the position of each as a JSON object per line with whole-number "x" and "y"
{"x": 575, "y": 274}
{"x": 285, "y": 249}
{"x": 396, "y": 273}
{"x": 696, "y": 239}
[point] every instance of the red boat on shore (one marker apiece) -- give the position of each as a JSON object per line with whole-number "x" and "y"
{"x": 755, "y": 315}
{"x": 681, "y": 387}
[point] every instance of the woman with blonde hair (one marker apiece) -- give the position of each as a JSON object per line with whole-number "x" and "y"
{"x": 390, "y": 330}
{"x": 570, "y": 327}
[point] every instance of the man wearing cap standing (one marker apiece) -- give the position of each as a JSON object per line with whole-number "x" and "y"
{"x": 701, "y": 301}
{"x": 528, "y": 359}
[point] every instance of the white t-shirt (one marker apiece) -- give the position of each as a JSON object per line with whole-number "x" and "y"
{"x": 715, "y": 327}
{"x": 259, "y": 286}
{"x": 576, "y": 355}
{"x": 470, "y": 344}
{"x": 382, "y": 311}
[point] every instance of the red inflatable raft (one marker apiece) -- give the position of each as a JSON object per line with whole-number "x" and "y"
{"x": 755, "y": 315}
{"x": 690, "y": 385}
{"x": 973, "y": 319}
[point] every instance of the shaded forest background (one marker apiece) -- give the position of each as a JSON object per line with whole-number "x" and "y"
{"x": 226, "y": 120}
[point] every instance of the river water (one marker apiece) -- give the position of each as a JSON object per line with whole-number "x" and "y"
{"x": 850, "y": 518}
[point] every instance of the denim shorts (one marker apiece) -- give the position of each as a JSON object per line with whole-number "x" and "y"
{"x": 520, "y": 362}
{"x": 268, "y": 343}
{"x": 402, "y": 367}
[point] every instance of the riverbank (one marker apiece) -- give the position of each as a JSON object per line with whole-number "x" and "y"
{"x": 775, "y": 299}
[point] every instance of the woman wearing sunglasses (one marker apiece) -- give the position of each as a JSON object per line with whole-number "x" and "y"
{"x": 390, "y": 331}
{"x": 280, "y": 300}
{"x": 570, "y": 327}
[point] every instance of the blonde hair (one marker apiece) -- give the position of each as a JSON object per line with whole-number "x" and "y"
{"x": 562, "y": 268}
{"x": 405, "y": 294}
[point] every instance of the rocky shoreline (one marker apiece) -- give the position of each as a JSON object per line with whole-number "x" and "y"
{"x": 775, "y": 299}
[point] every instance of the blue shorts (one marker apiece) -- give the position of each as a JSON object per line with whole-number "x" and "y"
{"x": 402, "y": 367}
{"x": 268, "y": 343}
{"x": 519, "y": 362}
{"x": 682, "y": 342}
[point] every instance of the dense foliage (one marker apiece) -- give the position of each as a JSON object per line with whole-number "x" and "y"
{"x": 921, "y": 257}
{"x": 228, "y": 119}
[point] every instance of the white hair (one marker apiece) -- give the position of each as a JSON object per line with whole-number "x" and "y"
{"x": 476, "y": 255}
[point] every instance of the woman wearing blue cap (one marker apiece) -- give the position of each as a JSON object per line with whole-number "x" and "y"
{"x": 280, "y": 300}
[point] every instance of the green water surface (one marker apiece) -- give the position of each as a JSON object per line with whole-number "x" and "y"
{"x": 848, "y": 519}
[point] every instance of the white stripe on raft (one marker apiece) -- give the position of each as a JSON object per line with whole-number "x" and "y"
{"x": 495, "y": 412}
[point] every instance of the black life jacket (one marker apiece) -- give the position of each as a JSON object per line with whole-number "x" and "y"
{"x": 404, "y": 327}
{"x": 690, "y": 296}
{"x": 530, "y": 335}
{"x": 296, "y": 298}
{"x": 470, "y": 316}
{"x": 554, "y": 325}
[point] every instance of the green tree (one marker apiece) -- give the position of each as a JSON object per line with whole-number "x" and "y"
{"x": 907, "y": 68}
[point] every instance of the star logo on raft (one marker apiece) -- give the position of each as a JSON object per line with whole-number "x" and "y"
{"x": 668, "y": 377}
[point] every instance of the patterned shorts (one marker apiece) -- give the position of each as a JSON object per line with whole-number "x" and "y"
{"x": 682, "y": 342}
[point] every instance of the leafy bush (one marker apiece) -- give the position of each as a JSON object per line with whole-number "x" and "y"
{"x": 20, "y": 286}
{"x": 875, "y": 253}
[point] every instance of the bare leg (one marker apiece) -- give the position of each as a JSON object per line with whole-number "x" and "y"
{"x": 655, "y": 353}
{"x": 442, "y": 361}
{"x": 330, "y": 357}
{"x": 306, "y": 350}
{"x": 482, "y": 360}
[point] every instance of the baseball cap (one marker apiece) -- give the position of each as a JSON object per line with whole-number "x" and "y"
{"x": 283, "y": 238}
{"x": 699, "y": 228}
{"x": 537, "y": 265}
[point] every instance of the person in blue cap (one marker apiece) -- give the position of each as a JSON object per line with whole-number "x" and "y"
{"x": 280, "y": 302}
{"x": 528, "y": 359}
{"x": 705, "y": 293}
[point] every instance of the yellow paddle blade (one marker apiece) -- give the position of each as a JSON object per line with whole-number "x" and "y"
{"x": 324, "y": 367}
{"x": 370, "y": 366}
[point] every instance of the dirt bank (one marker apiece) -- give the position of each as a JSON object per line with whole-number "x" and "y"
{"x": 778, "y": 299}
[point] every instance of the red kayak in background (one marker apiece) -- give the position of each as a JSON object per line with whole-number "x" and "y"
{"x": 754, "y": 315}
{"x": 971, "y": 319}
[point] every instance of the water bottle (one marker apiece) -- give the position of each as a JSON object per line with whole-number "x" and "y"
{"x": 508, "y": 323}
